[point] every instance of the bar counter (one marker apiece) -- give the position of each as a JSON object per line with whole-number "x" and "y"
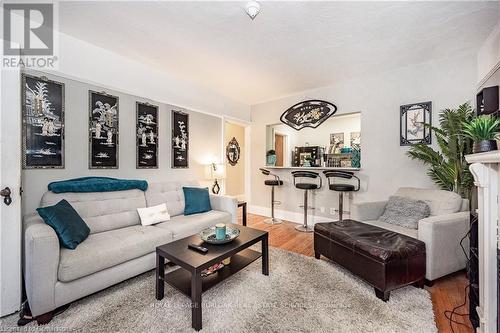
{"x": 312, "y": 168}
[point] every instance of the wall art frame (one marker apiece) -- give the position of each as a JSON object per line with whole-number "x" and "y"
{"x": 355, "y": 139}
{"x": 103, "y": 117}
{"x": 180, "y": 140}
{"x": 147, "y": 135}
{"x": 414, "y": 124}
{"x": 233, "y": 151}
{"x": 42, "y": 123}
{"x": 310, "y": 113}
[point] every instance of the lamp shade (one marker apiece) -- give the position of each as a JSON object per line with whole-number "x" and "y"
{"x": 215, "y": 171}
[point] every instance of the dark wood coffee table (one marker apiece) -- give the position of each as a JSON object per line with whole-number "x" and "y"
{"x": 188, "y": 278}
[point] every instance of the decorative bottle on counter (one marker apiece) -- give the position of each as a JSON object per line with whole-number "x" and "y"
{"x": 356, "y": 158}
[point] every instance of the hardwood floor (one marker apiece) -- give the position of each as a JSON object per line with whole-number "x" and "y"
{"x": 446, "y": 293}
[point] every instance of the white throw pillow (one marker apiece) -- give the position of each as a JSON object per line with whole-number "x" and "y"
{"x": 153, "y": 215}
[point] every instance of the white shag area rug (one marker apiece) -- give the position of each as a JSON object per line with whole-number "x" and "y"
{"x": 301, "y": 294}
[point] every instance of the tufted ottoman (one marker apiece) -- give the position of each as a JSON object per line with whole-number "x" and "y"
{"x": 385, "y": 259}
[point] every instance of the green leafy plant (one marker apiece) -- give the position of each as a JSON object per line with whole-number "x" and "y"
{"x": 447, "y": 166}
{"x": 482, "y": 128}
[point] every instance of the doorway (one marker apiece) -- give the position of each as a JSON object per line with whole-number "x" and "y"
{"x": 235, "y": 182}
{"x": 279, "y": 147}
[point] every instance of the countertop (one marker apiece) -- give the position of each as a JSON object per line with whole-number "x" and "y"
{"x": 312, "y": 168}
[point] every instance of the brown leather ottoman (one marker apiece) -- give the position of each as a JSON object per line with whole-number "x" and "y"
{"x": 385, "y": 259}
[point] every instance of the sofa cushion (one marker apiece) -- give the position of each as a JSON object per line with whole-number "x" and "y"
{"x": 405, "y": 212}
{"x": 170, "y": 193}
{"x": 107, "y": 249}
{"x": 68, "y": 225}
{"x": 186, "y": 225}
{"x": 392, "y": 227}
{"x": 102, "y": 211}
{"x": 440, "y": 202}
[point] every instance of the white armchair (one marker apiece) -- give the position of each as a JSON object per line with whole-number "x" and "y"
{"x": 441, "y": 232}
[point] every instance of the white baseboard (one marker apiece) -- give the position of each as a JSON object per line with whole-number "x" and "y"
{"x": 294, "y": 217}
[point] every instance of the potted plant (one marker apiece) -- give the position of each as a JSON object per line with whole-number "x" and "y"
{"x": 447, "y": 166}
{"x": 271, "y": 157}
{"x": 482, "y": 130}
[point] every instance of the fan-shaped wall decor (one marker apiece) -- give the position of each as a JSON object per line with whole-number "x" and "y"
{"x": 310, "y": 113}
{"x": 233, "y": 151}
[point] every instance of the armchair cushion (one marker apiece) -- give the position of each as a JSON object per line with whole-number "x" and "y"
{"x": 366, "y": 211}
{"x": 405, "y": 212}
{"x": 440, "y": 202}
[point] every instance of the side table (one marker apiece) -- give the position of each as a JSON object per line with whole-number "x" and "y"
{"x": 244, "y": 205}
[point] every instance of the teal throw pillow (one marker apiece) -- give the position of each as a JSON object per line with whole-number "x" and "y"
{"x": 197, "y": 200}
{"x": 68, "y": 225}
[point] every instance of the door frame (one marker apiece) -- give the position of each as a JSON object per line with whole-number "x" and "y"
{"x": 286, "y": 148}
{"x": 247, "y": 150}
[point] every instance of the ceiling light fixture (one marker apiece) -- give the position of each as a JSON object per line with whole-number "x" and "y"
{"x": 252, "y": 8}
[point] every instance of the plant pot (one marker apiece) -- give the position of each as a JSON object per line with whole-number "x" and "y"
{"x": 484, "y": 146}
{"x": 271, "y": 160}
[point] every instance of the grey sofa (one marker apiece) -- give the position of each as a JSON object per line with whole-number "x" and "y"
{"x": 441, "y": 232}
{"x": 118, "y": 246}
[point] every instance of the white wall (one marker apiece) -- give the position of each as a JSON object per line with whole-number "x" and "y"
{"x": 205, "y": 141}
{"x": 488, "y": 57}
{"x": 385, "y": 166}
{"x": 95, "y": 65}
{"x": 83, "y": 61}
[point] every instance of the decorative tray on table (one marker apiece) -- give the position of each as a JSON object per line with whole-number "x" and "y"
{"x": 208, "y": 235}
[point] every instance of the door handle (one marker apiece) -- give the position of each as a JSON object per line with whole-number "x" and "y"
{"x": 5, "y": 193}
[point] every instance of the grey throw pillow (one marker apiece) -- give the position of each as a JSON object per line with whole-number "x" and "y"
{"x": 405, "y": 212}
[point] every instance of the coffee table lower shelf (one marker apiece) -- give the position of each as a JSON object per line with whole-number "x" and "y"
{"x": 180, "y": 279}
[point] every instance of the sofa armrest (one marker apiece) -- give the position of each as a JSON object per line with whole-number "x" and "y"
{"x": 41, "y": 262}
{"x": 441, "y": 235}
{"x": 225, "y": 203}
{"x": 367, "y": 211}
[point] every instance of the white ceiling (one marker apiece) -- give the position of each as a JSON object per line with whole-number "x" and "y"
{"x": 289, "y": 47}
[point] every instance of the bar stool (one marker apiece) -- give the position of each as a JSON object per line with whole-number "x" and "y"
{"x": 306, "y": 186}
{"x": 341, "y": 187}
{"x": 273, "y": 183}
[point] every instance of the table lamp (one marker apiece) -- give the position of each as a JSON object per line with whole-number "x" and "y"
{"x": 215, "y": 172}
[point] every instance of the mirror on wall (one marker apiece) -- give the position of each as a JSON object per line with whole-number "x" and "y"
{"x": 336, "y": 143}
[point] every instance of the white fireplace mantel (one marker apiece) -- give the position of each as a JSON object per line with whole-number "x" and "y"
{"x": 485, "y": 167}
{"x": 489, "y": 157}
